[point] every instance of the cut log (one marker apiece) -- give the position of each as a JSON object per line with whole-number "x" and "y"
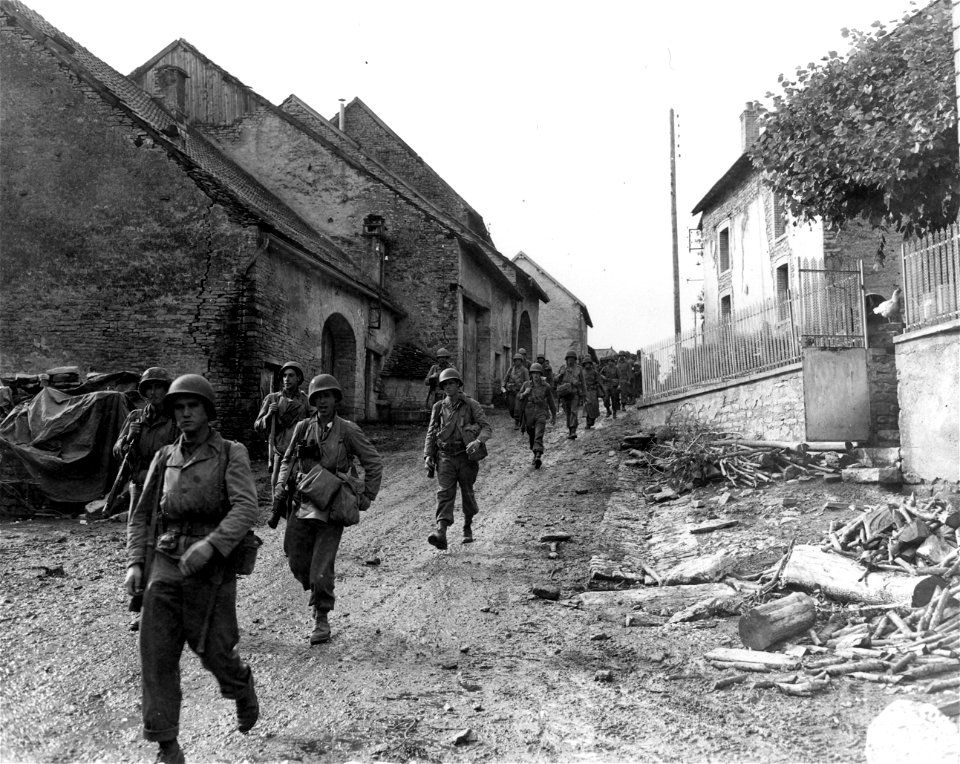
{"x": 663, "y": 600}
{"x": 843, "y": 580}
{"x": 735, "y": 655}
{"x": 775, "y": 621}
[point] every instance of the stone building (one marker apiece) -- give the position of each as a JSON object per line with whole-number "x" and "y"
{"x": 564, "y": 321}
{"x": 177, "y": 218}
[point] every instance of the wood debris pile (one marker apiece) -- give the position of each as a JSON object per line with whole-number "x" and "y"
{"x": 904, "y": 536}
{"x": 684, "y": 463}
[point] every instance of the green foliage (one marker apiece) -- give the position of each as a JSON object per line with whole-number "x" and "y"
{"x": 872, "y": 133}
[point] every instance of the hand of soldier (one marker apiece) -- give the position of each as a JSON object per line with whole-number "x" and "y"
{"x": 430, "y": 462}
{"x": 133, "y": 583}
{"x": 134, "y": 431}
{"x": 473, "y": 446}
{"x": 273, "y": 409}
{"x": 196, "y": 557}
{"x": 279, "y": 491}
{"x": 364, "y": 502}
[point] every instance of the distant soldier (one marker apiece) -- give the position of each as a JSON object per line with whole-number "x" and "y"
{"x": 434, "y": 393}
{"x": 537, "y": 398}
{"x": 638, "y": 374}
{"x": 455, "y": 444}
{"x": 516, "y": 375}
{"x": 280, "y": 413}
{"x": 593, "y": 391}
{"x": 146, "y": 430}
{"x": 570, "y": 391}
{"x": 523, "y": 354}
{"x": 625, "y": 370}
{"x": 611, "y": 383}
{"x": 547, "y": 368}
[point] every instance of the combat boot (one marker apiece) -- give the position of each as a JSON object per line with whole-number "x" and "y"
{"x": 170, "y": 753}
{"x": 321, "y": 628}
{"x": 536, "y": 460}
{"x": 248, "y": 709}
{"x": 439, "y": 537}
{"x": 467, "y": 530}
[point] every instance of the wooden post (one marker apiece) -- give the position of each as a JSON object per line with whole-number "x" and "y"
{"x": 765, "y": 625}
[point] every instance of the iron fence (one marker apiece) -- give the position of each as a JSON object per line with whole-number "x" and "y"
{"x": 931, "y": 289}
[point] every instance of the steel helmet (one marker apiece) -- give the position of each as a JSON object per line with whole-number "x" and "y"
{"x": 195, "y": 385}
{"x": 154, "y": 374}
{"x": 522, "y": 351}
{"x": 443, "y": 353}
{"x": 536, "y": 367}
{"x": 295, "y": 366}
{"x": 587, "y": 359}
{"x": 541, "y": 355}
{"x": 517, "y": 357}
{"x": 447, "y": 374}
{"x": 571, "y": 353}
{"x": 323, "y": 382}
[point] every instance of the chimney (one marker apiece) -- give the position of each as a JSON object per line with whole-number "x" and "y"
{"x": 749, "y": 126}
{"x": 343, "y": 115}
{"x": 171, "y": 85}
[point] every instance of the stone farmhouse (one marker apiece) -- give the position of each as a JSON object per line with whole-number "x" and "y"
{"x": 564, "y": 321}
{"x": 175, "y": 217}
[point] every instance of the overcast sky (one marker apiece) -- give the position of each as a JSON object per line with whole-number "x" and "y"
{"x": 550, "y": 118}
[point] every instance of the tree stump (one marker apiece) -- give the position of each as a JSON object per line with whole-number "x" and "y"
{"x": 781, "y": 619}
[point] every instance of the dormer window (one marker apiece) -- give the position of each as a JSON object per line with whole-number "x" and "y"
{"x": 373, "y": 225}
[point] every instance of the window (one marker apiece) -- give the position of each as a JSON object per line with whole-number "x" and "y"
{"x": 779, "y": 216}
{"x": 723, "y": 245}
{"x": 726, "y": 308}
{"x": 782, "y": 275}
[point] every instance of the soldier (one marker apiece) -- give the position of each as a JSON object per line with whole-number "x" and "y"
{"x": 611, "y": 384}
{"x": 146, "y": 430}
{"x": 570, "y": 391}
{"x": 434, "y": 393}
{"x": 455, "y": 444}
{"x": 523, "y": 355}
{"x": 201, "y": 500}
{"x": 625, "y": 371}
{"x": 593, "y": 390}
{"x": 638, "y": 374}
{"x": 536, "y": 396}
{"x": 547, "y": 368}
{"x": 313, "y": 536}
{"x": 516, "y": 375}
{"x": 280, "y": 413}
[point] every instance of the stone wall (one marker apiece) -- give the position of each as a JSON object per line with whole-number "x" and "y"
{"x": 928, "y": 369}
{"x": 765, "y": 406}
{"x": 882, "y": 378}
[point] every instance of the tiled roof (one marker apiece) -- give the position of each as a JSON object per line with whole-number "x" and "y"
{"x": 220, "y": 177}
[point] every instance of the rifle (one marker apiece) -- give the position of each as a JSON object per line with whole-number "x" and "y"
{"x": 271, "y": 448}
{"x": 123, "y": 474}
{"x": 281, "y": 505}
{"x": 136, "y": 600}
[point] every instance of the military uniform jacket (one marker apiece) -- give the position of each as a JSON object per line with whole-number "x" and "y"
{"x": 156, "y": 431}
{"x": 433, "y": 376}
{"x": 572, "y": 375}
{"x": 625, "y": 370}
{"x": 593, "y": 382}
{"x": 189, "y": 490}
{"x": 538, "y": 399}
{"x": 454, "y": 424}
{"x": 611, "y": 377}
{"x": 515, "y": 377}
{"x": 339, "y": 443}
{"x": 291, "y": 409}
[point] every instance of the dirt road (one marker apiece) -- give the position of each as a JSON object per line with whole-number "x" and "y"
{"x": 426, "y": 645}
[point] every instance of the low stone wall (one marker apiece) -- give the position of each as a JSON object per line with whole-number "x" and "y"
{"x": 928, "y": 369}
{"x": 767, "y": 406}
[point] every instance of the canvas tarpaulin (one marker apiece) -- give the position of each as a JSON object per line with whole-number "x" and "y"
{"x": 66, "y": 441}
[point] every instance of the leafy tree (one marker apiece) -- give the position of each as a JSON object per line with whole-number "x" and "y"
{"x": 872, "y": 133}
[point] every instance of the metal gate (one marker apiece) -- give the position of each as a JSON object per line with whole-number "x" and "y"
{"x": 833, "y": 336}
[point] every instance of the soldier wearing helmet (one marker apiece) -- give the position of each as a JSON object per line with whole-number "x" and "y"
{"x": 611, "y": 380}
{"x": 454, "y": 446}
{"x": 625, "y": 370}
{"x": 280, "y": 413}
{"x": 523, "y": 355}
{"x": 146, "y": 430}
{"x": 569, "y": 382}
{"x": 593, "y": 390}
{"x": 514, "y": 379}
{"x": 547, "y": 368}
{"x": 201, "y": 499}
{"x": 434, "y": 393}
{"x": 322, "y": 446}
{"x": 537, "y": 399}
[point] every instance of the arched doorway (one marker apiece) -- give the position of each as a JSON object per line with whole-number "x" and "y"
{"x": 338, "y": 356}
{"x": 525, "y": 336}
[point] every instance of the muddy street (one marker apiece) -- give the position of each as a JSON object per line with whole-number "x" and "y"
{"x": 435, "y": 656}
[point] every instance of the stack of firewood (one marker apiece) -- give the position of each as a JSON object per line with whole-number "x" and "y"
{"x": 685, "y": 463}
{"x": 899, "y": 536}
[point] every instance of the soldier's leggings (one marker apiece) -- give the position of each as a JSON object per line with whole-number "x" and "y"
{"x": 175, "y": 608}
{"x": 612, "y": 399}
{"x": 453, "y": 471}
{"x": 536, "y": 425}
{"x": 311, "y": 547}
{"x": 570, "y": 406}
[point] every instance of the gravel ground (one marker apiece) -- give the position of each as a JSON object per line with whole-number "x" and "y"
{"x": 435, "y": 656}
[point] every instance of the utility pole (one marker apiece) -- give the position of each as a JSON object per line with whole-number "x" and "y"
{"x": 673, "y": 228}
